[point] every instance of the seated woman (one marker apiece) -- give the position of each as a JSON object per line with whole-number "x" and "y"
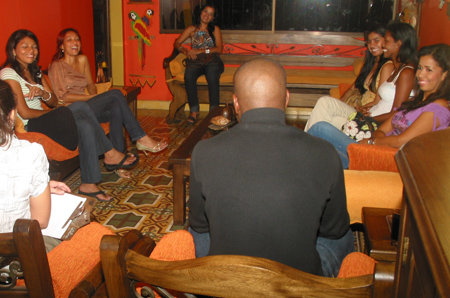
{"x": 428, "y": 111}
{"x": 202, "y": 59}
{"x": 400, "y": 46}
{"x": 24, "y": 187}
{"x": 70, "y": 75}
{"x": 22, "y": 73}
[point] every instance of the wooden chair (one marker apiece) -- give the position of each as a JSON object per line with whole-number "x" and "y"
{"x": 24, "y": 251}
{"x": 229, "y": 276}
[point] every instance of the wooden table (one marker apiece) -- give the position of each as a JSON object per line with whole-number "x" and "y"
{"x": 181, "y": 163}
{"x": 377, "y": 234}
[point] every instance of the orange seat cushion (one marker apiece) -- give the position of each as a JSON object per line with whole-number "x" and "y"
{"x": 357, "y": 264}
{"x": 372, "y": 157}
{"x": 376, "y": 189}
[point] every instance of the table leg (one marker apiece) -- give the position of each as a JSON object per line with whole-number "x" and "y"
{"x": 179, "y": 195}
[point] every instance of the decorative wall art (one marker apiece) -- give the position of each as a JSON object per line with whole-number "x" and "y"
{"x": 140, "y": 26}
{"x": 142, "y": 80}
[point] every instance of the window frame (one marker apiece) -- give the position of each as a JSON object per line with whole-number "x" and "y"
{"x": 284, "y": 37}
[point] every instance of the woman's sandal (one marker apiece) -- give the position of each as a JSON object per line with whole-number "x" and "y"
{"x": 121, "y": 165}
{"x": 157, "y": 148}
{"x": 94, "y": 195}
{"x": 123, "y": 173}
{"x": 191, "y": 120}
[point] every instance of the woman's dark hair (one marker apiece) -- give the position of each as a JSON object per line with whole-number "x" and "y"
{"x": 60, "y": 40}
{"x": 408, "y": 36}
{"x": 212, "y": 24}
{"x": 7, "y": 104}
{"x": 33, "y": 68}
{"x": 441, "y": 54}
{"x": 369, "y": 62}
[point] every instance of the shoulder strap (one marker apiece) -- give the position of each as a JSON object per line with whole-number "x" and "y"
{"x": 401, "y": 69}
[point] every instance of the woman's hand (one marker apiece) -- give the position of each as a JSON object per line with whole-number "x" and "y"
{"x": 364, "y": 110}
{"x": 192, "y": 53}
{"x": 34, "y": 91}
{"x": 58, "y": 188}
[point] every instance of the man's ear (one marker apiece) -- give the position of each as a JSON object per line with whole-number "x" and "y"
{"x": 236, "y": 104}
{"x": 288, "y": 96}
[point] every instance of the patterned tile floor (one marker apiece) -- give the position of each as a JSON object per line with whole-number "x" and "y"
{"x": 144, "y": 202}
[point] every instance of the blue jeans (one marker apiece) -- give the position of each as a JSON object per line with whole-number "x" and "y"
{"x": 331, "y": 251}
{"x": 337, "y": 138}
{"x": 112, "y": 107}
{"x": 212, "y": 74}
{"x": 92, "y": 141}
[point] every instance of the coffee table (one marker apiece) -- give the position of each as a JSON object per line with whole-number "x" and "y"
{"x": 181, "y": 163}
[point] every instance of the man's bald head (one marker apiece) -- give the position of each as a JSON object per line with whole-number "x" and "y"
{"x": 260, "y": 83}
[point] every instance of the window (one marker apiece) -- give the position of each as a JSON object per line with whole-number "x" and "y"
{"x": 289, "y": 15}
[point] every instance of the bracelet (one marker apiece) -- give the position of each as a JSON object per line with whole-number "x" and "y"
{"x": 180, "y": 48}
{"x": 371, "y": 141}
{"x": 49, "y": 96}
{"x": 207, "y": 50}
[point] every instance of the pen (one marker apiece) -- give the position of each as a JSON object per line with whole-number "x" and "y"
{"x": 71, "y": 216}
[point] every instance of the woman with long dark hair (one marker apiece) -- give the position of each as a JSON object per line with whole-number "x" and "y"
{"x": 20, "y": 71}
{"x": 427, "y": 111}
{"x": 202, "y": 59}
{"x": 395, "y": 86}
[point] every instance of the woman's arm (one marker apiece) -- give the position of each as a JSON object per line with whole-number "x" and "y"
{"x": 403, "y": 87}
{"x": 182, "y": 38}
{"x": 83, "y": 60}
{"x": 53, "y": 101}
{"x": 422, "y": 125}
{"x": 219, "y": 44}
{"x": 40, "y": 207}
{"x": 22, "y": 108}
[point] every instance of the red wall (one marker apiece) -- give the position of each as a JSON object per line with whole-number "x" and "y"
{"x": 46, "y": 18}
{"x": 434, "y": 24}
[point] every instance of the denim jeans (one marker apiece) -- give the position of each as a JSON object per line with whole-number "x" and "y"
{"x": 337, "y": 138}
{"x": 331, "y": 251}
{"x": 112, "y": 107}
{"x": 92, "y": 141}
{"x": 212, "y": 74}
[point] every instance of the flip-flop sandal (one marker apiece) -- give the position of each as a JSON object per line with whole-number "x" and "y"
{"x": 191, "y": 120}
{"x": 121, "y": 165}
{"x": 94, "y": 195}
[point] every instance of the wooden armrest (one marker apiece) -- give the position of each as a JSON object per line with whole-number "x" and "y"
{"x": 172, "y": 56}
{"x": 383, "y": 285}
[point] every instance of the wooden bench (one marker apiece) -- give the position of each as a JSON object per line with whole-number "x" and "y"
{"x": 306, "y": 85}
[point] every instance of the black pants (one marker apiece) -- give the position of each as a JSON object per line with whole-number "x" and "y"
{"x": 59, "y": 125}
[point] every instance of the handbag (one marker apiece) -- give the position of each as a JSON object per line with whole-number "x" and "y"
{"x": 359, "y": 127}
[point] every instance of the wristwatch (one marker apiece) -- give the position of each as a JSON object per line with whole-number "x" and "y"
{"x": 207, "y": 50}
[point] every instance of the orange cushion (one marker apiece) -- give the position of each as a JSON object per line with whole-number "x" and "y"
{"x": 371, "y": 189}
{"x": 73, "y": 259}
{"x": 372, "y": 157}
{"x": 175, "y": 246}
{"x": 357, "y": 264}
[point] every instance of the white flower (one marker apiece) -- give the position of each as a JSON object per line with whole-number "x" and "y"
{"x": 350, "y": 128}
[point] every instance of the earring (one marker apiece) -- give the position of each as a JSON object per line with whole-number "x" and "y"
{"x": 62, "y": 51}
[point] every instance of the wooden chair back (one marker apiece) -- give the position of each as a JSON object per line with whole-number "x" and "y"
{"x": 223, "y": 276}
{"x": 24, "y": 252}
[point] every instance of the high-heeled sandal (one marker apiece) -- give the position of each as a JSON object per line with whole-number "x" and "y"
{"x": 158, "y": 147}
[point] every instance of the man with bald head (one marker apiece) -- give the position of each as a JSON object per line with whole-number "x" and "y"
{"x": 266, "y": 189}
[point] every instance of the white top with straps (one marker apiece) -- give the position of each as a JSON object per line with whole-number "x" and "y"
{"x": 387, "y": 94}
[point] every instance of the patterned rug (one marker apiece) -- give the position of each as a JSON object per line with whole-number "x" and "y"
{"x": 144, "y": 202}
